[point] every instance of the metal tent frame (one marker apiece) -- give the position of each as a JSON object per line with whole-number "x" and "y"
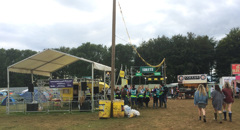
{"x": 48, "y": 61}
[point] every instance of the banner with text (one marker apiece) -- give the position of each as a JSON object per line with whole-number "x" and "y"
{"x": 198, "y": 78}
{"x": 61, "y": 83}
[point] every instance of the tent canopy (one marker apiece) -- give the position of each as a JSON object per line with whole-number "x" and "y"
{"x": 48, "y": 61}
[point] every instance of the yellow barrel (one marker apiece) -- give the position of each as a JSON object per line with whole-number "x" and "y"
{"x": 118, "y": 108}
{"x": 104, "y": 108}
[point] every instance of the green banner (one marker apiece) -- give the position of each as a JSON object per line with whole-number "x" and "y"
{"x": 138, "y": 74}
{"x": 147, "y": 69}
{"x": 157, "y": 73}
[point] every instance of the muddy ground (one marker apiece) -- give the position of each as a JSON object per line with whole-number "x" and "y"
{"x": 180, "y": 114}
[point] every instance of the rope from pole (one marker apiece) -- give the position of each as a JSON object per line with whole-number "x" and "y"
{"x": 157, "y": 66}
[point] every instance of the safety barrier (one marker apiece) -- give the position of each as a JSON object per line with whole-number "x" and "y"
{"x": 55, "y": 105}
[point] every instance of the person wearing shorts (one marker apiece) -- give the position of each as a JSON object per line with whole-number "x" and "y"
{"x": 201, "y": 100}
{"x": 228, "y": 101}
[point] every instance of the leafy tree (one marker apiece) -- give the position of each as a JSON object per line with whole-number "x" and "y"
{"x": 10, "y": 57}
{"x": 227, "y": 52}
{"x": 184, "y": 54}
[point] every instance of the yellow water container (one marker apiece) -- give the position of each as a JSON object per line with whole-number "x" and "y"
{"x": 104, "y": 108}
{"x": 118, "y": 108}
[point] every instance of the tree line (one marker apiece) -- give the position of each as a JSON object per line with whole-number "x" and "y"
{"x": 185, "y": 54}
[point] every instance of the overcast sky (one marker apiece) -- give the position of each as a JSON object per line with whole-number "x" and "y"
{"x": 41, "y": 24}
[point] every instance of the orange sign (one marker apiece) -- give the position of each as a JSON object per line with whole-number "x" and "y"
{"x": 235, "y": 69}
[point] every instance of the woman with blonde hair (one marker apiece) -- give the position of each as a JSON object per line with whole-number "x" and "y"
{"x": 228, "y": 100}
{"x": 201, "y": 99}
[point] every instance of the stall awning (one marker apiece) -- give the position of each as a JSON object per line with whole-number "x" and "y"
{"x": 48, "y": 61}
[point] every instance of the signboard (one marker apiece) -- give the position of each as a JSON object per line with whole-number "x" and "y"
{"x": 147, "y": 69}
{"x": 149, "y": 79}
{"x": 121, "y": 73}
{"x": 237, "y": 77}
{"x": 157, "y": 73}
{"x": 222, "y": 80}
{"x": 138, "y": 74}
{"x": 161, "y": 78}
{"x": 124, "y": 82}
{"x": 235, "y": 69}
{"x": 61, "y": 83}
{"x": 155, "y": 79}
{"x": 197, "y": 78}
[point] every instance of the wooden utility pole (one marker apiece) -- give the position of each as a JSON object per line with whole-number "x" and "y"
{"x": 165, "y": 73}
{"x": 113, "y": 50}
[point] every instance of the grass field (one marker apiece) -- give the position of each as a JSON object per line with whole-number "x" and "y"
{"x": 180, "y": 114}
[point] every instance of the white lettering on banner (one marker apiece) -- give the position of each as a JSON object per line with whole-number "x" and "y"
{"x": 147, "y": 69}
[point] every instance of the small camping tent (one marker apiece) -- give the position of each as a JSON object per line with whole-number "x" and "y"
{"x": 11, "y": 100}
{"x": 38, "y": 96}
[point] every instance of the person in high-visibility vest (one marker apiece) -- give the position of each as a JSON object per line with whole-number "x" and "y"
{"x": 88, "y": 94}
{"x": 147, "y": 96}
{"x": 161, "y": 98}
{"x": 140, "y": 96}
{"x": 117, "y": 93}
{"x": 133, "y": 94}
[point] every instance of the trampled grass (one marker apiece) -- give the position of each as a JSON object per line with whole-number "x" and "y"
{"x": 180, "y": 114}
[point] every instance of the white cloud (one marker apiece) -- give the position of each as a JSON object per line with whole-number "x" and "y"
{"x": 39, "y": 24}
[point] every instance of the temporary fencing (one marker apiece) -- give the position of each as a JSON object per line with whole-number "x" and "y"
{"x": 54, "y": 105}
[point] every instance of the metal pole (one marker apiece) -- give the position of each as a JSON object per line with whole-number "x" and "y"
{"x": 92, "y": 85}
{"x": 8, "y": 91}
{"x": 32, "y": 84}
{"x": 32, "y": 76}
{"x": 104, "y": 84}
{"x": 51, "y": 76}
{"x": 162, "y": 74}
{"x": 113, "y": 50}
{"x": 131, "y": 76}
{"x": 118, "y": 75}
{"x": 165, "y": 73}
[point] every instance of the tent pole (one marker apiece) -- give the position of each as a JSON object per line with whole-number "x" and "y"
{"x": 8, "y": 91}
{"x": 104, "y": 84}
{"x": 32, "y": 84}
{"x": 92, "y": 85}
{"x": 32, "y": 76}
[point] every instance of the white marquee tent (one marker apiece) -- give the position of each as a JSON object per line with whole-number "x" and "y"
{"x": 47, "y": 62}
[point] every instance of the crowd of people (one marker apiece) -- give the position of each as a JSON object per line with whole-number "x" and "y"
{"x": 221, "y": 99}
{"x": 137, "y": 97}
